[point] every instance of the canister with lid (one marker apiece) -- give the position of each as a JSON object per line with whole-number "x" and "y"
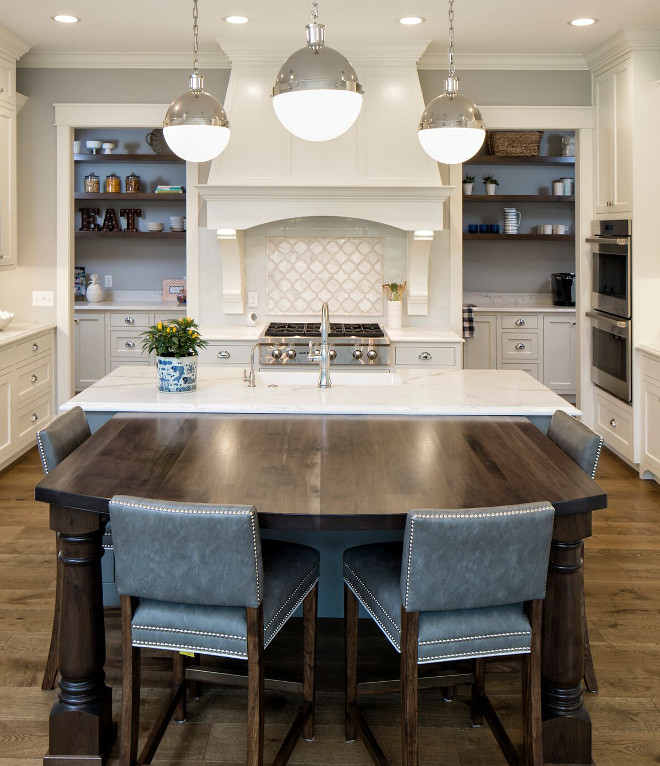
{"x": 132, "y": 184}
{"x": 112, "y": 184}
{"x": 92, "y": 184}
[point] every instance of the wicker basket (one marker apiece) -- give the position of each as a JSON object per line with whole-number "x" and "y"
{"x": 514, "y": 143}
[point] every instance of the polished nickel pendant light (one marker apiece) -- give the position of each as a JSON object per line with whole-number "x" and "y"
{"x": 196, "y": 127}
{"x": 317, "y": 95}
{"x": 451, "y": 129}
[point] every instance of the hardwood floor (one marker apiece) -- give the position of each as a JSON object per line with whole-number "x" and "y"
{"x": 622, "y": 579}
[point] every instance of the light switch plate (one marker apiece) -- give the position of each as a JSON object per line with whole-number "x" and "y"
{"x": 43, "y": 298}
{"x": 108, "y": 280}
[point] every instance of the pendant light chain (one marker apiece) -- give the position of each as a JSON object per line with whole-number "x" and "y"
{"x": 452, "y": 68}
{"x": 195, "y": 36}
{"x": 315, "y": 11}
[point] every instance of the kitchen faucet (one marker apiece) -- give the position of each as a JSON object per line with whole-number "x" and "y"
{"x": 324, "y": 373}
{"x": 250, "y": 379}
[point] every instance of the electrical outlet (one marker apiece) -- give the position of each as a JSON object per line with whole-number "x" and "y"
{"x": 43, "y": 298}
{"x": 108, "y": 280}
{"x": 253, "y": 300}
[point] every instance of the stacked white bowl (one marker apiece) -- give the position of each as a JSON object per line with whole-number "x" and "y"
{"x": 155, "y": 225}
{"x": 176, "y": 223}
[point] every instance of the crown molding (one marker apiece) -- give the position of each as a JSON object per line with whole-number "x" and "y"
{"x": 622, "y": 44}
{"x": 506, "y": 61}
{"x": 121, "y": 60}
{"x": 11, "y": 45}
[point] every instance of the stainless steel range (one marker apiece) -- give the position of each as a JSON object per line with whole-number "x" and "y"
{"x": 299, "y": 343}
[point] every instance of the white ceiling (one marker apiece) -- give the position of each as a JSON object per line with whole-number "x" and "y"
{"x": 501, "y": 27}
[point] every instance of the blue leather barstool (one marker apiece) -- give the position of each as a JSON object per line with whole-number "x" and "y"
{"x": 463, "y": 585}
{"x": 583, "y": 446}
{"x": 56, "y": 442}
{"x": 218, "y": 590}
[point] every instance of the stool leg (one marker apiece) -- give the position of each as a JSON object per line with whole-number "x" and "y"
{"x": 478, "y": 687}
{"x": 409, "y": 636}
{"x": 350, "y": 653}
{"x": 255, "y": 649}
{"x": 309, "y": 657}
{"x": 179, "y": 677}
{"x": 531, "y": 690}
{"x": 130, "y": 698}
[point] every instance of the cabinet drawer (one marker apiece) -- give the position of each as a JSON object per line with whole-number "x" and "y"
{"x": 6, "y": 358}
{"x": 425, "y": 356}
{"x": 530, "y": 367}
{"x": 129, "y": 319}
{"x": 614, "y": 424}
{"x": 515, "y": 322}
{"x": 125, "y": 345}
{"x": 33, "y": 416}
{"x": 166, "y": 316}
{"x": 519, "y": 345}
{"x": 144, "y": 362}
{"x": 651, "y": 367}
{"x": 34, "y": 379}
{"x": 37, "y": 345}
{"x": 224, "y": 353}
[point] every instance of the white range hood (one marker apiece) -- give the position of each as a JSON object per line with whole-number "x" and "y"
{"x": 377, "y": 171}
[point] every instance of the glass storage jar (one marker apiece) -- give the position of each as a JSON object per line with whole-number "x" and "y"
{"x": 112, "y": 184}
{"x": 92, "y": 184}
{"x": 132, "y": 184}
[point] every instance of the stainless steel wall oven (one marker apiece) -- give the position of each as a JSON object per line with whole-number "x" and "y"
{"x": 611, "y": 351}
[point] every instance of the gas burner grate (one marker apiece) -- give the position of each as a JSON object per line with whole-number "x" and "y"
{"x": 313, "y": 330}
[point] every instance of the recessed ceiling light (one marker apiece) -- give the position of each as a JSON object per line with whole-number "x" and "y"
{"x": 64, "y": 18}
{"x": 411, "y": 20}
{"x": 236, "y": 19}
{"x": 582, "y": 22}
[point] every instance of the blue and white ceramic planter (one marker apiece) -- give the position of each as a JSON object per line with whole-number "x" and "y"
{"x": 176, "y": 374}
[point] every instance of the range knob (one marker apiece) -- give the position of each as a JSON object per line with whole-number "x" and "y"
{"x": 357, "y": 353}
{"x": 372, "y": 354}
{"x": 291, "y": 353}
{"x": 276, "y": 353}
{"x": 332, "y": 354}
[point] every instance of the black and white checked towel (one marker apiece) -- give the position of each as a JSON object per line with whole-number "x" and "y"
{"x": 468, "y": 321}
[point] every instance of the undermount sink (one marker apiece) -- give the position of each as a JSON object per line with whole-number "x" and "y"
{"x": 338, "y": 378}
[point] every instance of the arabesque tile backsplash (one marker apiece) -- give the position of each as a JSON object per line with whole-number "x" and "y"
{"x": 303, "y": 272}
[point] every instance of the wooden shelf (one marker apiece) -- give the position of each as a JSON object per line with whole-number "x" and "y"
{"x": 489, "y": 159}
{"x": 135, "y": 197}
{"x": 511, "y": 237}
{"x": 106, "y": 158}
{"x": 130, "y": 235}
{"x": 518, "y": 198}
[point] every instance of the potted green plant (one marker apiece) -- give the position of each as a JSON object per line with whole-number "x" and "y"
{"x": 175, "y": 343}
{"x": 490, "y": 183}
{"x": 468, "y": 181}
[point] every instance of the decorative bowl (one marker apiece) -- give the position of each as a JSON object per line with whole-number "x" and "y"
{"x": 108, "y": 147}
{"x": 5, "y": 319}
{"x": 94, "y": 146}
{"x": 157, "y": 142}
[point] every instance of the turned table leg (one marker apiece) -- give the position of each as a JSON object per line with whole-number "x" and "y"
{"x": 566, "y": 723}
{"x": 80, "y": 725}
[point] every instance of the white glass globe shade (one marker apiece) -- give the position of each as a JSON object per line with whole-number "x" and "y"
{"x": 197, "y": 143}
{"x": 317, "y": 115}
{"x": 451, "y": 145}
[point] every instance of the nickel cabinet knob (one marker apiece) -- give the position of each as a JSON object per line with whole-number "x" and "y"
{"x": 520, "y": 322}
{"x": 224, "y": 355}
{"x": 613, "y": 422}
{"x": 35, "y": 347}
{"x": 129, "y": 320}
{"x": 130, "y": 344}
{"x": 34, "y": 379}
{"x": 34, "y": 417}
{"x": 520, "y": 346}
{"x": 425, "y": 356}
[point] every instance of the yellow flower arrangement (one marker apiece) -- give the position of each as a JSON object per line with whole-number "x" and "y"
{"x": 173, "y": 337}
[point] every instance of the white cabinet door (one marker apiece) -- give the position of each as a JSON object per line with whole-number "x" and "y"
{"x": 90, "y": 356}
{"x": 650, "y": 457}
{"x": 480, "y": 352}
{"x": 612, "y": 91}
{"x": 5, "y": 415}
{"x": 8, "y": 218}
{"x": 559, "y": 353}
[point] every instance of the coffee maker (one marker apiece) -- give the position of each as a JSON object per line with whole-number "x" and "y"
{"x": 563, "y": 288}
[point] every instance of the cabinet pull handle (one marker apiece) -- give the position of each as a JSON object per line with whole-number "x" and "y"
{"x": 613, "y": 422}
{"x": 129, "y": 320}
{"x": 34, "y": 417}
{"x": 520, "y": 322}
{"x": 574, "y": 323}
{"x": 130, "y": 344}
{"x": 520, "y": 346}
{"x": 34, "y": 379}
{"x": 224, "y": 355}
{"x": 35, "y": 347}
{"x": 425, "y": 356}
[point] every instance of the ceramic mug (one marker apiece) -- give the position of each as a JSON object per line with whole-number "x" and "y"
{"x": 560, "y": 228}
{"x": 545, "y": 228}
{"x": 77, "y": 147}
{"x": 558, "y": 188}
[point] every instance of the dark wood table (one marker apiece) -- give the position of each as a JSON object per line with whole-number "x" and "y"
{"x": 307, "y": 472}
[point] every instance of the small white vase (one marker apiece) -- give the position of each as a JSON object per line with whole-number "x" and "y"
{"x": 467, "y": 189}
{"x": 94, "y": 289}
{"x": 394, "y": 314}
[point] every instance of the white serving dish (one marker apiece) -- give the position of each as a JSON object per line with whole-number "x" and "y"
{"x": 5, "y": 319}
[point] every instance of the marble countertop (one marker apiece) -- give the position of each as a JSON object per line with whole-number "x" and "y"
{"x": 647, "y": 348}
{"x": 422, "y": 335}
{"x": 130, "y": 305}
{"x": 17, "y": 331}
{"x": 501, "y": 309}
{"x": 416, "y": 392}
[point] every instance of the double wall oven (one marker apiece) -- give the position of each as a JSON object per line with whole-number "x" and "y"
{"x": 611, "y": 326}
